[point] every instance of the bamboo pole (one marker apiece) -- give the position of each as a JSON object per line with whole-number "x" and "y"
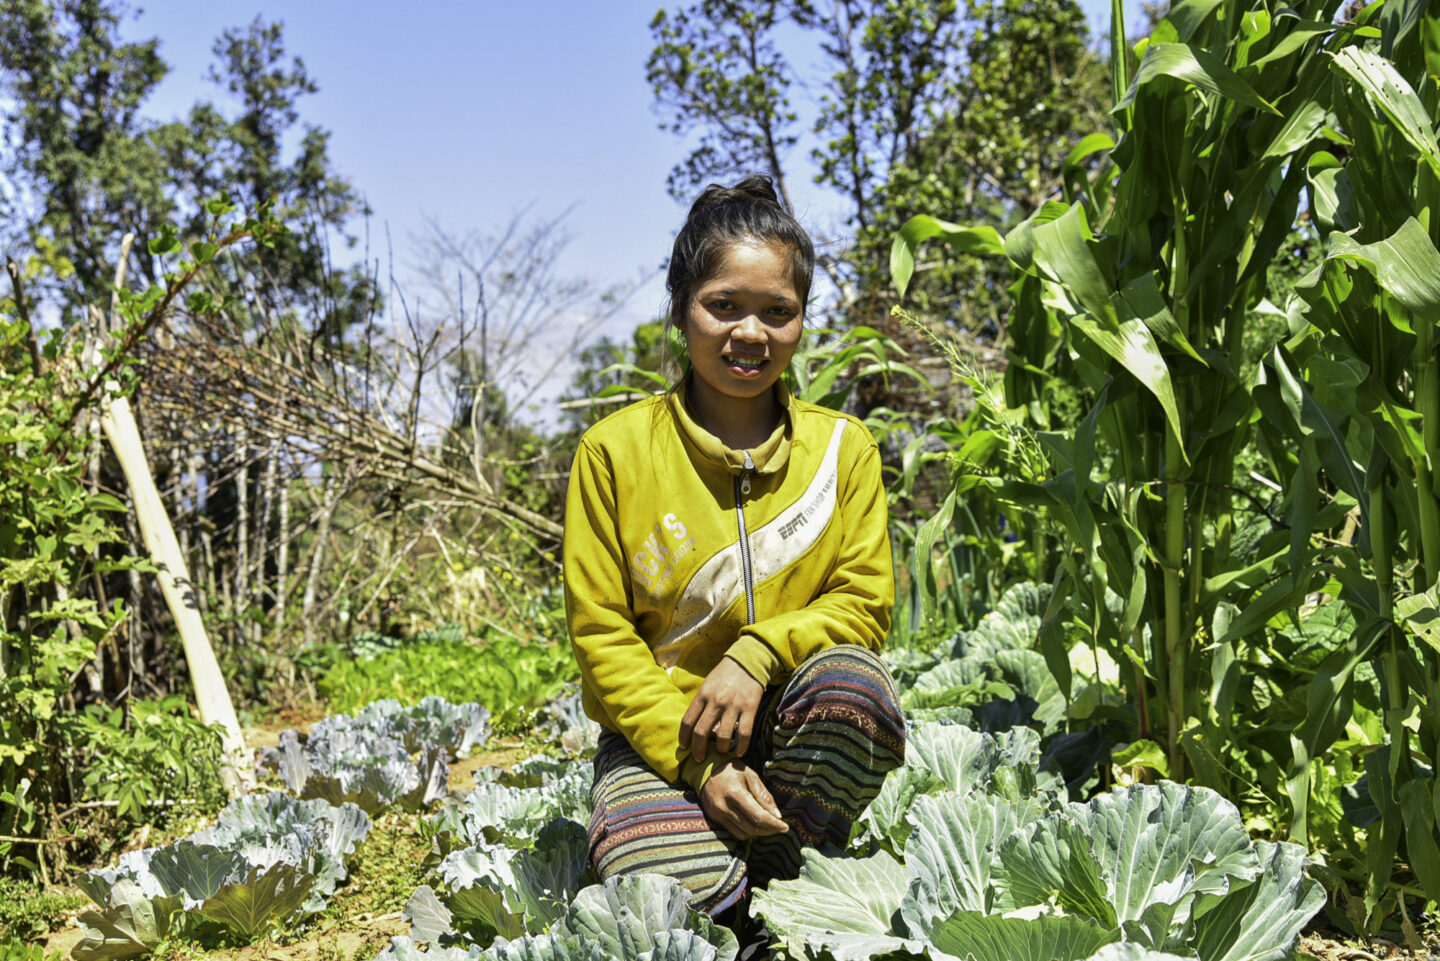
{"x": 212, "y": 698}
{"x": 211, "y": 695}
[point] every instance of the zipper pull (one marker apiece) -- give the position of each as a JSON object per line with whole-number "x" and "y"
{"x": 745, "y": 477}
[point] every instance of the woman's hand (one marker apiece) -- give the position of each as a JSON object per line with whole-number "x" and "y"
{"x": 724, "y": 708}
{"x": 736, "y": 799}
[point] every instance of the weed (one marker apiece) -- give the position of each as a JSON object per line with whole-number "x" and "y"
{"x": 13, "y": 949}
{"x": 386, "y": 871}
{"x": 26, "y": 911}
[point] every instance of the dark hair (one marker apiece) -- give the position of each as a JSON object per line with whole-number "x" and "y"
{"x": 722, "y": 217}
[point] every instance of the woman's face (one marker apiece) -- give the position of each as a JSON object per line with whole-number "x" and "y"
{"x": 742, "y": 327}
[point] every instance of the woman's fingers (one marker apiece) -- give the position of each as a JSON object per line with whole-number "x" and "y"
{"x": 744, "y": 727}
{"x": 760, "y": 819}
{"x": 762, "y": 794}
{"x": 727, "y": 731}
{"x": 702, "y": 729}
{"x": 737, "y": 800}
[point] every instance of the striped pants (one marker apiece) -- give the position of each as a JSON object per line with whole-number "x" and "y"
{"x": 834, "y": 731}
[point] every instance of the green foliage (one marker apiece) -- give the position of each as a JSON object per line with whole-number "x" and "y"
{"x": 387, "y": 869}
{"x": 975, "y": 106}
{"x": 56, "y": 537}
{"x": 611, "y": 372}
{"x": 716, "y": 68}
{"x": 968, "y": 833}
{"x": 26, "y": 911}
{"x": 148, "y": 753}
{"x": 1218, "y": 481}
{"x": 12, "y": 949}
{"x": 967, "y": 109}
{"x": 75, "y": 91}
{"x": 51, "y": 528}
{"x": 92, "y": 168}
{"x": 511, "y": 679}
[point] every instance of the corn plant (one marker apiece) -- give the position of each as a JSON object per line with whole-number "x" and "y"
{"x": 1216, "y": 490}
{"x": 1359, "y": 392}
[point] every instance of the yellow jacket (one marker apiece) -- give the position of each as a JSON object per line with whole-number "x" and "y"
{"x": 664, "y": 576}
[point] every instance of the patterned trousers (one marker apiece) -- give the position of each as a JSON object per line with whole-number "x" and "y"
{"x": 834, "y": 731}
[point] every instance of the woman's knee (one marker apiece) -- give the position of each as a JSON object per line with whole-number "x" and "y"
{"x": 842, "y": 683}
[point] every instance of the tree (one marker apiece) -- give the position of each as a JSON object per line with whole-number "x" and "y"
{"x": 510, "y": 317}
{"x": 964, "y": 111}
{"x": 715, "y": 69}
{"x": 83, "y": 167}
{"x": 78, "y": 162}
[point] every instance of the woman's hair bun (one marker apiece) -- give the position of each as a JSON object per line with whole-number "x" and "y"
{"x": 753, "y": 189}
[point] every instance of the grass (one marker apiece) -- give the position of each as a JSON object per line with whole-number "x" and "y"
{"x": 27, "y": 912}
{"x": 387, "y": 869}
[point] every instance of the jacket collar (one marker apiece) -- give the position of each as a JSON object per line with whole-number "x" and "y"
{"x": 769, "y": 457}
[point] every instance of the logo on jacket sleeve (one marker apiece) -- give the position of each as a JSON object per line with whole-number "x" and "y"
{"x": 653, "y": 564}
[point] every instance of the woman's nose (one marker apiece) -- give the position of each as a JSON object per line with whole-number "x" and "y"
{"x": 750, "y": 328}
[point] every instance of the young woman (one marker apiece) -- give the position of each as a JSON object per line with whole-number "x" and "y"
{"x": 727, "y": 582}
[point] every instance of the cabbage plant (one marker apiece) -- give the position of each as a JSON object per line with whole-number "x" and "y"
{"x": 432, "y": 723}
{"x": 268, "y": 859}
{"x": 508, "y": 856}
{"x": 640, "y": 917}
{"x": 386, "y": 754}
{"x": 992, "y": 671}
{"x": 942, "y": 757}
{"x": 490, "y": 890}
{"x": 993, "y": 864}
{"x": 514, "y": 808}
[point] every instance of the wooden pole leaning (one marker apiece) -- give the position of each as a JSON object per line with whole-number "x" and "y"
{"x": 212, "y": 697}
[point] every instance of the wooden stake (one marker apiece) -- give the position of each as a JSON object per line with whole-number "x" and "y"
{"x": 212, "y": 697}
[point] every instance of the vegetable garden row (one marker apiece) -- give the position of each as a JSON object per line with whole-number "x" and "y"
{"x": 974, "y": 847}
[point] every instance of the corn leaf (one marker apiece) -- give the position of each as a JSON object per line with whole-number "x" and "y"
{"x": 1394, "y": 97}
{"x": 1197, "y": 67}
{"x": 984, "y": 240}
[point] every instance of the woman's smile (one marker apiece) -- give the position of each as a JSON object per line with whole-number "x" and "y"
{"x": 741, "y": 329}
{"x": 746, "y": 366}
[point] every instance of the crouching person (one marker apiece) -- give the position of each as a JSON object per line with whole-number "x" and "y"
{"x": 728, "y": 580}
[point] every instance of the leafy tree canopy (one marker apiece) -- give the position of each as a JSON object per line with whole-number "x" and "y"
{"x": 961, "y": 110}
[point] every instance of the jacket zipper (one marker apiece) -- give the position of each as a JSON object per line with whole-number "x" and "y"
{"x": 742, "y": 487}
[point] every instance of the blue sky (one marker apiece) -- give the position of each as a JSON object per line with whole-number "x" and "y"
{"x": 465, "y": 112}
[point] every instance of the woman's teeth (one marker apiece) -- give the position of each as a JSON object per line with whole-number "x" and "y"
{"x": 748, "y": 364}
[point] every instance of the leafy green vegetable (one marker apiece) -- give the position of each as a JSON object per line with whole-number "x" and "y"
{"x": 996, "y": 867}
{"x": 367, "y": 759}
{"x": 513, "y": 680}
{"x": 267, "y": 859}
